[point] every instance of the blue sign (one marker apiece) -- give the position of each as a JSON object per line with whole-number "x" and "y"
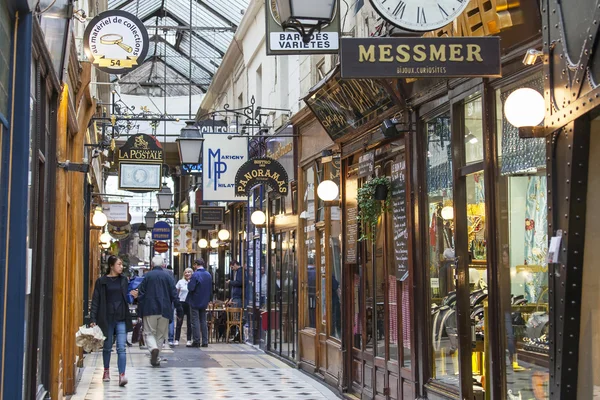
{"x": 161, "y": 231}
{"x": 191, "y": 169}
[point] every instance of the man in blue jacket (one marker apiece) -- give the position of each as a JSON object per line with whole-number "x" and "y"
{"x": 156, "y": 294}
{"x": 199, "y": 295}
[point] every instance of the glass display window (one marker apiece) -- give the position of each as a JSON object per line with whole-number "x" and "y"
{"x": 310, "y": 245}
{"x": 522, "y": 198}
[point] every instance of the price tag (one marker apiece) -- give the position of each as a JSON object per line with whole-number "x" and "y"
{"x": 554, "y": 248}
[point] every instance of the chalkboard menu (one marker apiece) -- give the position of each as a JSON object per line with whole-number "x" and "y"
{"x": 351, "y": 221}
{"x": 366, "y": 164}
{"x": 399, "y": 219}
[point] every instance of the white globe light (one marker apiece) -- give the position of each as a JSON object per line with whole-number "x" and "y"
{"x": 106, "y": 245}
{"x": 328, "y": 190}
{"x": 223, "y": 235}
{"x": 175, "y": 254}
{"x": 99, "y": 219}
{"x": 203, "y": 243}
{"x": 214, "y": 243}
{"x": 258, "y": 218}
{"x": 448, "y": 213}
{"x": 525, "y": 107}
{"x": 105, "y": 237}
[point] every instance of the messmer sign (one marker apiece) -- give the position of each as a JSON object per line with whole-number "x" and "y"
{"x": 402, "y": 57}
{"x": 287, "y": 42}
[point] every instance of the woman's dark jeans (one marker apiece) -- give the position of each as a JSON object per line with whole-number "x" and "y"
{"x": 188, "y": 317}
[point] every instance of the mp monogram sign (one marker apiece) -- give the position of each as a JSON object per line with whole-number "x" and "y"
{"x": 420, "y": 57}
{"x": 222, "y": 158}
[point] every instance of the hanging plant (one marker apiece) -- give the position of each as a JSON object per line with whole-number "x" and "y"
{"x": 369, "y": 207}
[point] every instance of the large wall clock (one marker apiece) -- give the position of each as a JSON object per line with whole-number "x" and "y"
{"x": 420, "y": 15}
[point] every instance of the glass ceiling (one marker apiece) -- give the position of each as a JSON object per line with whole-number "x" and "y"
{"x": 213, "y": 23}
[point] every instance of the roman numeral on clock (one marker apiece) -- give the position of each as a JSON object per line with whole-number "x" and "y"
{"x": 421, "y": 16}
{"x": 399, "y": 9}
{"x": 442, "y": 11}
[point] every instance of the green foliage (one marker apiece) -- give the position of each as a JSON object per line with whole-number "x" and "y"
{"x": 369, "y": 209}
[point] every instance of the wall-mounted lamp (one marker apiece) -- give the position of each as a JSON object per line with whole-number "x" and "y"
{"x": 258, "y": 218}
{"x": 203, "y": 243}
{"x": 531, "y": 56}
{"x": 306, "y": 16}
{"x": 175, "y": 254}
{"x": 472, "y": 139}
{"x": 105, "y": 237}
{"x": 142, "y": 230}
{"x": 99, "y": 219}
{"x": 328, "y": 190}
{"x": 164, "y": 198}
{"x": 525, "y": 107}
{"x": 214, "y": 243}
{"x": 150, "y": 219}
{"x": 223, "y": 235}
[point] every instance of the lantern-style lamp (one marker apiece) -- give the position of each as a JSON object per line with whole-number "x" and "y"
{"x": 142, "y": 230}
{"x": 150, "y": 218}
{"x": 525, "y": 107}
{"x": 258, "y": 218}
{"x": 190, "y": 143}
{"x": 164, "y": 198}
{"x": 328, "y": 190}
{"x": 306, "y": 16}
{"x": 99, "y": 219}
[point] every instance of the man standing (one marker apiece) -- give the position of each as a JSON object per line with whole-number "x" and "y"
{"x": 199, "y": 295}
{"x": 156, "y": 296}
{"x": 236, "y": 284}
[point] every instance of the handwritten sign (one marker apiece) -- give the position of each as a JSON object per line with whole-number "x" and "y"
{"x": 351, "y": 209}
{"x": 399, "y": 219}
{"x": 366, "y": 164}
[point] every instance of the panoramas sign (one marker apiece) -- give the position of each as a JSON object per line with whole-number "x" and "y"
{"x": 401, "y": 57}
{"x": 140, "y": 164}
{"x": 258, "y": 171}
{"x": 116, "y": 42}
{"x": 221, "y": 160}
{"x": 289, "y": 42}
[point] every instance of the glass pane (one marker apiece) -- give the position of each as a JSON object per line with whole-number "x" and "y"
{"x": 324, "y": 293}
{"x": 335, "y": 252}
{"x": 441, "y": 253}
{"x": 369, "y": 298}
{"x": 308, "y": 215}
{"x": 473, "y": 129}
{"x": 380, "y": 289}
{"x": 477, "y": 276}
{"x": 523, "y": 243}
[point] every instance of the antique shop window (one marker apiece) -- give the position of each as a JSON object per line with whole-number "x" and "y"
{"x": 473, "y": 130}
{"x": 335, "y": 258}
{"x": 441, "y": 251}
{"x": 522, "y": 191}
{"x": 308, "y": 217}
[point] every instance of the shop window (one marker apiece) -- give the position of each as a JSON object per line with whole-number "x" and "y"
{"x": 320, "y": 203}
{"x": 441, "y": 250}
{"x": 308, "y": 218}
{"x": 522, "y": 190}
{"x": 473, "y": 130}
{"x": 335, "y": 261}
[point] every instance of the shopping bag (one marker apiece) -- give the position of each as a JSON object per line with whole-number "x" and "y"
{"x": 91, "y": 339}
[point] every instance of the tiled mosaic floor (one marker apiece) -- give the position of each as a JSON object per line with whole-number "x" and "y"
{"x": 220, "y": 371}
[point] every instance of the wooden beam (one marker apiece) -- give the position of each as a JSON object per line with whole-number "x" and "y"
{"x": 60, "y": 255}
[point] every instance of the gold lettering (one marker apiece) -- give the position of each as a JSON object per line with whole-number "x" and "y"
{"x": 437, "y": 53}
{"x": 455, "y": 52}
{"x": 366, "y": 55}
{"x": 261, "y": 173}
{"x": 248, "y": 176}
{"x": 403, "y": 55}
{"x": 385, "y": 51}
{"x": 474, "y": 52}
{"x": 419, "y": 51}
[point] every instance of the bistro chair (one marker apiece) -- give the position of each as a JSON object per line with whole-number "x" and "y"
{"x": 210, "y": 321}
{"x": 234, "y": 318}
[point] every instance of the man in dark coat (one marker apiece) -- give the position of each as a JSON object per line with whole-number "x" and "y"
{"x": 199, "y": 295}
{"x": 156, "y": 295}
{"x": 236, "y": 283}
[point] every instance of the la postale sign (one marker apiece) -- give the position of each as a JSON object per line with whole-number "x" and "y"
{"x": 420, "y": 57}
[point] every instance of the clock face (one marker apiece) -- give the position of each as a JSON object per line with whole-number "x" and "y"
{"x": 420, "y": 15}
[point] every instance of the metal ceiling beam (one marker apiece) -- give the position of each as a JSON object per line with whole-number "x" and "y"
{"x": 160, "y": 13}
{"x": 178, "y": 72}
{"x": 155, "y": 38}
{"x": 154, "y": 59}
{"x": 216, "y": 13}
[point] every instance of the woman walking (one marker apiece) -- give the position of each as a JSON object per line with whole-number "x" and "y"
{"x": 182, "y": 292}
{"x": 110, "y": 312}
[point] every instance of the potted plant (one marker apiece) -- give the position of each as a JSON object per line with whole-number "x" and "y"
{"x": 373, "y": 198}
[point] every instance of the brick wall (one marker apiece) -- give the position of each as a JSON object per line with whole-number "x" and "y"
{"x": 5, "y": 53}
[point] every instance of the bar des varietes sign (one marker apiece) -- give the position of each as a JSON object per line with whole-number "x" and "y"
{"x": 420, "y": 57}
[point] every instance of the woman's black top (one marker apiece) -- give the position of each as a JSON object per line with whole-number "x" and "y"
{"x": 114, "y": 299}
